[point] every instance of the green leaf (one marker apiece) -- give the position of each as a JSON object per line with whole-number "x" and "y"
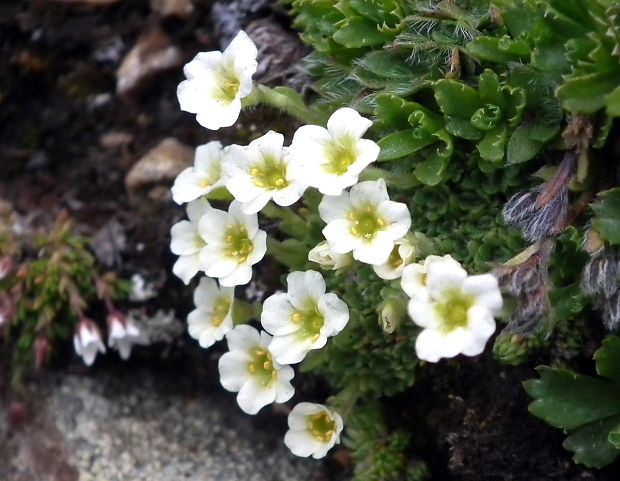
{"x": 492, "y": 146}
{"x": 608, "y": 359}
{"x": 585, "y": 94}
{"x": 498, "y": 50}
{"x": 461, "y": 127}
{"x": 490, "y": 90}
{"x": 521, "y": 146}
{"x": 455, "y": 99}
{"x": 614, "y": 436}
{"x": 430, "y": 171}
{"x": 379, "y": 11}
{"x": 613, "y": 102}
{"x": 591, "y": 443}
{"x": 402, "y": 143}
{"x": 607, "y": 215}
{"x": 568, "y": 400}
{"x": 359, "y": 32}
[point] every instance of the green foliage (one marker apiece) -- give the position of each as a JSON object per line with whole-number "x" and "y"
{"x": 587, "y": 408}
{"x": 380, "y": 454}
{"x": 606, "y": 219}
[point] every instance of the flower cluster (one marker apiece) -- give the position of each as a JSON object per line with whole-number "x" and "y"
{"x": 361, "y": 224}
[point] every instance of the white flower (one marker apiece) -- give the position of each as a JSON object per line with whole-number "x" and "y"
{"x": 249, "y": 369}
{"x": 413, "y": 280}
{"x": 234, "y": 244}
{"x": 217, "y": 81}
{"x": 313, "y": 430}
{"x": 402, "y": 254}
{"x": 87, "y": 341}
{"x": 458, "y": 313}
{"x": 303, "y": 318}
{"x": 122, "y": 334}
{"x": 203, "y": 177}
{"x": 187, "y": 242}
{"x": 260, "y": 172}
{"x": 364, "y": 221}
{"x": 323, "y": 255}
{"x": 332, "y": 159}
{"x": 212, "y": 318}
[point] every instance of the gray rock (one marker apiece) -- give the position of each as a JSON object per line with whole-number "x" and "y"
{"x": 136, "y": 424}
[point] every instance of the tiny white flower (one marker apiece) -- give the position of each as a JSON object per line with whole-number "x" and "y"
{"x": 364, "y": 221}
{"x": 323, "y": 255}
{"x": 458, "y": 313}
{"x": 212, "y": 318}
{"x": 141, "y": 290}
{"x": 313, "y": 430}
{"x": 332, "y": 159}
{"x": 87, "y": 341}
{"x": 234, "y": 244}
{"x": 217, "y": 81}
{"x": 122, "y": 334}
{"x": 413, "y": 280}
{"x": 203, "y": 177}
{"x": 248, "y": 368}
{"x": 303, "y": 318}
{"x": 402, "y": 254}
{"x": 187, "y": 242}
{"x": 260, "y": 172}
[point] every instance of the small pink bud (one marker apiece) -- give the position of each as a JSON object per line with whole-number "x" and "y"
{"x": 7, "y": 266}
{"x": 87, "y": 341}
{"x": 8, "y": 309}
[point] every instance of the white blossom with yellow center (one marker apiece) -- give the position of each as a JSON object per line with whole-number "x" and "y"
{"x": 303, "y": 318}
{"x": 403, "y": 253}
{"x": 187, "y": 242}
{"x": 332, "y": 159}
{"x": 203, "y": 177}
{"x": 249, "y": 369}
{"x": 323, "y": 255}
{"x": 413, "y": 280}
{"x": 217, "y": 81}
{"x": 212, "y": 318}
{"x": 234, "y": 245}
{"x": 457, "y": 315}
{"x": 313, "y": 430}
{"x": 364, "y": 221}
{"x": 260, "y": 172}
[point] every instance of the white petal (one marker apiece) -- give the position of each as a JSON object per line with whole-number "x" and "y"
{"x": 289, "y": 195}
{"x": 444, "y": 276}
{"x": 413, "y": 281}
{"x": 186, "y": 186}
{"x": 431, "y": 345}
{"x": 334, "y": 208}
{"x": 212, "y": 225}
{"x": 397, "y": 216}
{"x": 335, "y": 312}
{"x": 276, "y": 317}
{"x": 243, "y": 188}
{"x": 269, "y": 145}
{"x": 253, "y": 206}
{"x": 284, "y": 388}
{"x": 219, "y": 114}
{"x": 203, "y": 64}
{"x": 485, "y": 290}
{"x": 243, "y": 338}
{"x": 332, "y": 184}
{"x": 370, "y": 192}
{"x": 305, "y": 288}
{"x": 250, "y": 222}
{"x": 301, "y": 443}
{"x": 240, "y": 276}
{"x": 233, "y": 369}
{"x": 289, "y": 349}
{"x": 206, "y": 293}
{"x": 480, "y": 327}
{"x": 298, "y": 417}
{"x": 253, "y": 396}
{"x": 196, "y": 209}
{"x": 186, "y": 267}
{"x": 346, "y": 122}
{"x": 215, "y": 263}
{"x": 338, "y": 235}
{"x": 366, "y": 152}
{"x": 196, "y": 95}
{"x": 185, "y": 239}
{"x": 377, "y": 251}
{"x": 260, "y": 247}
{"x": 423, "y": 313}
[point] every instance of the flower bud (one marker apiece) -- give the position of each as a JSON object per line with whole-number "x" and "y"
{"x": 87, "y": 341}
{"x": 593, "y": 243}
{"x": 391, "y": 314}
{"x": 600, "y": 275}
{"x": 323, "y": 255}
{"x": 611, "y": 312}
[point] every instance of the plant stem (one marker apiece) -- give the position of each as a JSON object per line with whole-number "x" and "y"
{"x": 286, "y": 100}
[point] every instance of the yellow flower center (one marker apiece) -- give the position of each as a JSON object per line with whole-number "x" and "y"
{"x": 238, "y": 244}
{"x": 321, "y": 426}
{"x": 452, "y": 310}
{"x": 365, "y": 222}
{"x": 220, "y": 310}
{"x": 341, "y": 154}
{"x": 228, "y": 85}
{"x": 261, "y": 366}
{"x": 270, "y": 175}
{"x": 310, "y": 321}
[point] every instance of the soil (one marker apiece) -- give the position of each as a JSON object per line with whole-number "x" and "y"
{"x": 68, "y": 140}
